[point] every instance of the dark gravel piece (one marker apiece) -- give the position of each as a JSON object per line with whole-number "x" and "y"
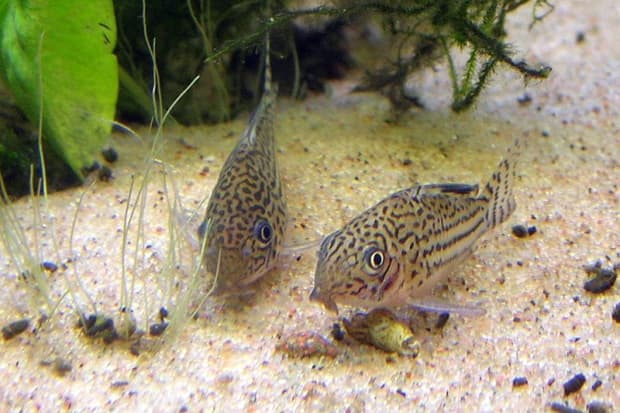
{"x": 531, "y": 230}
{"x": 598, "y": 407}
{"x": 105, "y": 174}
{"x": 163, "y": 313}
{"x": 49, "y": 266}
{"x": 574, "y": 384}
{"x": 524, "y": 99}
{"x": 96, "y": 328}
{"x": 337, "y": 332}
{"x": 15, "y": 328}
{"x": 519, "y": 381}
{"x": 442, "y": 320}
{"x": 596, "y": 385}
{"x": 157, "y": 329}
{"x": 580, "y": 37}
{"x": 110, "y": 155}
{"x": 519, "y": 231}
{"x": 61, "y": 366}
{"x": 615, "y": 314}
{"x": 562, "y": 408}
{"x": 603, "y": 281}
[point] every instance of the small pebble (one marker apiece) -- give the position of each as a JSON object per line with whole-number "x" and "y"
{"x": 603, "y": 281}
{"x": 91, "y": 168}
{"x": 98, "y": 326}
{"x": 105, "y": 174}
{"x": 598, "y": 407}
{"x": 524, "y": 99}
{"x": 61, "y": 366}
{"x": 157, "y": 329}
{"x": 580, "y": 37}
{"x": 110, "y": 155}
{"x": 519, "y": 381}
{"x": 407, "y": 162}
{"x": 615, "y": 314}
{"x": 563, "y": 408}
{"x": 596, "y": 385}
{"x": 105, "y": 324}
{"x": 574, "y": 384}
{"x": 545, "y": 133}
{"x": 163, "y": 313}
{"x": 519, "y": 231}
{"x": 531, "y": 230}
{"x": 442, "y": 320}
{"x": 15, "y": 328}
{"x": 337, "y": 332}
{"x": 49, "y": 266}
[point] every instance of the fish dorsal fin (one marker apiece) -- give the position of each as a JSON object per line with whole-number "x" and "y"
{"x": 450, "y": 189}
{"x": 499, "y": 188}
{"x": 441, "y": 189}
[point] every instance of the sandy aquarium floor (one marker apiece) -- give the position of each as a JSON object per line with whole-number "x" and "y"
{"x": 338, "y": 155}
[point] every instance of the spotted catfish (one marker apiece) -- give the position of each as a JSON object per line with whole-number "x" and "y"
{"x": 246, "y": 214}
{"x": 394, "y": 253}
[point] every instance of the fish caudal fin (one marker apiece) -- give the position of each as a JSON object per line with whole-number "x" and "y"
{"x": 499, "y": 189}
{"x": 260, "y": 126}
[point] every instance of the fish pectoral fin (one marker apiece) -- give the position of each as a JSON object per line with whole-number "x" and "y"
{"x": 453, "y": 189}
{"x": 300, "y": 247}
{"x": 438, "y": 305}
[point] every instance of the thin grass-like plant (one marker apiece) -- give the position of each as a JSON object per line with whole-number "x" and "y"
{"x": 166, "y": 288}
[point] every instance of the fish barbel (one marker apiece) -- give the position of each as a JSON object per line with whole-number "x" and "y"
{"x": 400, "y": 249}
{"x": 245, "y": 218}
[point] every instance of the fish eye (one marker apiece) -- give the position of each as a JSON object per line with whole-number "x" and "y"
{"x": 374, "y": 258}
{"x": 263, "y": 231}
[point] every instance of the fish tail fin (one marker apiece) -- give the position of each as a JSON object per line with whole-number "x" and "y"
{"x": 499, "y": 188}
{"x": 260, "y": 126}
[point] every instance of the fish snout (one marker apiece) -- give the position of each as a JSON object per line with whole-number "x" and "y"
{"x": 325, "y": 299}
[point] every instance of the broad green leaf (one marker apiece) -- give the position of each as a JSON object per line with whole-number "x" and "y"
{"x": 56, "y": 58}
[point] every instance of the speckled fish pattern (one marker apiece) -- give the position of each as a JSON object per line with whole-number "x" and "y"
{"x": 245, "y": 218}
{"x": 406, "y": 244}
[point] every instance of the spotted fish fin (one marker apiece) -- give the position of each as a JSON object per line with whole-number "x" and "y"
{"x": 452, "y": 189}
{"x": 301, "y": 247}
{"x": 499, "y": 189}
{"x": 437, "y": 305}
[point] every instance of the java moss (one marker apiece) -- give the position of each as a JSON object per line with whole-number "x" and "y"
{"x": 217, "y": 41}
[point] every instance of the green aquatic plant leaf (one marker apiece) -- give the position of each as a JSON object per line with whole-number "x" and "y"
{"x": 57, "y": 60}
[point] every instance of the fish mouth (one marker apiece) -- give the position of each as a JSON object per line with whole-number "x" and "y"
{"x": 326, "y": 300}
{"x": 229, "y": 268}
